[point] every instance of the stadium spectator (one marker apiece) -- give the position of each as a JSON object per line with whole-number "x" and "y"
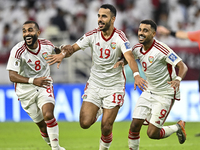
{"x": 30, "y": 72}
{"x": 106, "y": 85}
{"x": 193, "y": 36}
{"x": 153, "y": 106}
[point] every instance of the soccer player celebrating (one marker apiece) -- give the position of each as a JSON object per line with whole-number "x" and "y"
{"x": 106, "y": 85}
{"x": 153, "y": 106}
{"x": 29, "y": 70}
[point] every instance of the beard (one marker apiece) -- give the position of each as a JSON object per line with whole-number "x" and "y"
{"x": 107, "y": 26}
{"x": 34, "y": 39}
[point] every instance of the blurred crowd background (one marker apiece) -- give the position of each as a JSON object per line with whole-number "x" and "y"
{"x": 64, "y": 21}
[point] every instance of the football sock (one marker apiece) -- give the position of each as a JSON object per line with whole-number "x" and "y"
{"x": 105, "y": 141}
{"x": 53, "y": 132}
{"x": 133, "y": 140}
{"x": 168, "y": 130}
{"x": 46, "y": 138}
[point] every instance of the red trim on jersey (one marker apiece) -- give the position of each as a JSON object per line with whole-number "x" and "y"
{"x": 37, "y": 51}
{"x": 92, "y": 32}
{"x": 136, "y": 46}
{"x": 20, "y": 51}
{"x": 148, "y": 49}
{"x": 122, "y": 35}
{"x": 161, "y": 48}
{"x": 110, "y": 35}
{"x": 45, "y": 42}
{"x": 172, "y": 102}
{"x": 169, "y": 68}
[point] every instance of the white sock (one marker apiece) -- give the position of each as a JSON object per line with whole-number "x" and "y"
{"x": 133, "y": 140}
{"x": 53, "y": 132}
{"x": 105, "y": 142}
{"x": 46, "y": 138}
{"x": 168, "y": 130}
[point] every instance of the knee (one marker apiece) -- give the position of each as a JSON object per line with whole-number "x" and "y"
{"x": 153, "y": 135}
{"x": 106, "y": 129}
{"x": 48, "y": 116}
{"x": 85, "y": 124}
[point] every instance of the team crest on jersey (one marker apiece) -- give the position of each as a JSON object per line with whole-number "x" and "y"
{"x": 172, "y": 57}
{"x": 45, "y": 55}
{"x": 113, "y": 45}
{"x": 127, "y": 45}
{"x": 151, "y": 59}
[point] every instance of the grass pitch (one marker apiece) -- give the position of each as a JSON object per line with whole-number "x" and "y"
{"x": 26, "y": 136}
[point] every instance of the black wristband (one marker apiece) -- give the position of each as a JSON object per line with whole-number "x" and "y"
{"x": 173, "y": 33}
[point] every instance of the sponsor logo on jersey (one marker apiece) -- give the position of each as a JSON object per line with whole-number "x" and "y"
{"x": 45, "y": 55}
{"x": 172, "y": 57}
{"x": 29, "y": 61}
{"x": 151, "y": 59}
{"x": 158, "y": 122}
{"x": 113, "y": 45}
{"x": 127, "y": 45}
{"x": 98, "y": 44}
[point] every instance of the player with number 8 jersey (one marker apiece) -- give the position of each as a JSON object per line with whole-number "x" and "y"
{"x": 29, "y": 70}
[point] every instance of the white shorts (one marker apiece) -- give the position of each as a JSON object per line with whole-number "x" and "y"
{"x": 153, "y": 108}
{"x": 33, "y": 103}
{"x": 103, "y": 97}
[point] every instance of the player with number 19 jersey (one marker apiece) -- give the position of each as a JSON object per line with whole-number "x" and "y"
{"x": 157, "y": 64}
{"x": 105, "y": 53}
{"x": 30, "y": 63}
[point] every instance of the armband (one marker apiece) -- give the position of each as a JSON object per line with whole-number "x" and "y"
{"x": 135, "y": 74}
{"x": 173, "y": 33}
{"x": 178, "y": 78}
{"x": 30, "y": 80}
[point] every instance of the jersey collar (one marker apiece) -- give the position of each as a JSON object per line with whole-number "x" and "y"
{"x": 34, "y": 53}
{"x": 109, "y": 37}
{"x": 148, "y": 49}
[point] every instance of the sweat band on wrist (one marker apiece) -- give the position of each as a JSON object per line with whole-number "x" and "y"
{"x": 178, "y": 78}
{"x": 173, "y": 33}
{"x": 135, "y": 74}
{"x": 30, "y": 80}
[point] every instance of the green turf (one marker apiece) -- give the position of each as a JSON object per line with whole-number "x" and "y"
{"x": 26, "y": 136}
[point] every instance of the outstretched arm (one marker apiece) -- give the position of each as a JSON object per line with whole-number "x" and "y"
{"x": 178, "y": 34}
{"x": 66, "y": 51}
{"x": 41, "y": 82}
{"x": 181, "y": 74}
{"x": 139, "y": 81}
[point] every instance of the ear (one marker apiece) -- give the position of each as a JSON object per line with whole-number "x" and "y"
{"x": 113, "y": 19}
{"x": 38, "y": 32}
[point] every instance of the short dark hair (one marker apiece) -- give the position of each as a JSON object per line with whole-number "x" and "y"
{"x": 111, "y": 7}
{"x": 31, "y": 21}
{"x": 151, "y": 22}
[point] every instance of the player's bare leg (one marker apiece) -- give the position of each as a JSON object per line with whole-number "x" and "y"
{"x": 88, "y": 114}
{"x": 43, "y": 130}
{"x": 52, "y": 126}
{"x": 108, "y": 119}
{"x": 134, "y": 134}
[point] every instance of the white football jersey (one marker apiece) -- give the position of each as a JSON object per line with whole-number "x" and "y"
{"x": 105, "y": 53}
{"x": 158, "y": 64}
{"x": 30, "y": 63}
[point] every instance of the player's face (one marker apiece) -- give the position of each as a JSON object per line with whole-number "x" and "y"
{"x": 105, "y": 19}
{"x": 145, "y": 34}
{"x": 30, "y": 35}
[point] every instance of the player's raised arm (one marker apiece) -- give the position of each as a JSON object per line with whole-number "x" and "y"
{"x": 66, "y": 51}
